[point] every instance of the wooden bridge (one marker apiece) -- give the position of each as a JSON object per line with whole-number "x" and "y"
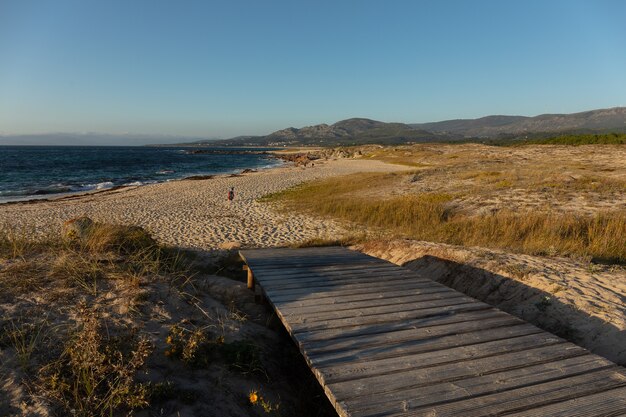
{"x": 385, "y": 341}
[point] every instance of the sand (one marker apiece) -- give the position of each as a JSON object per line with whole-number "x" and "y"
{"x": 196, "y": 213}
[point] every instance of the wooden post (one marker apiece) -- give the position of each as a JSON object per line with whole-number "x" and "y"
{"x": 250, "y": 277}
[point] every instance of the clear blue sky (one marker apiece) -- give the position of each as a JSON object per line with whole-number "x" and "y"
{"x": 227, "y": 68}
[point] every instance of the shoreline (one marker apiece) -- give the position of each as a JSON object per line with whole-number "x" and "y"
{"x": 195, "y": 213}
{"x": 34, "y": 199}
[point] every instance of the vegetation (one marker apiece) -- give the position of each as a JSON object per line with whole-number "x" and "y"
{"x": 568, "y": 139}
{"x": 106, "y": 322}
{"x": 433, "y": 217}
{"x": 95, "y": 375}
{"x": 78, "y": 360}
{"x": 598, "y": 139}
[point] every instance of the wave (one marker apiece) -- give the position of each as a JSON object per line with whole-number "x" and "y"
{"x": 99, "y": 186}
{"x": 56, "y": 189}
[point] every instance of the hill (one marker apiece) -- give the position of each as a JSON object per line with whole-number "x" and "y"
{"x": 594, "y": 121}
{"x": 360, "y": 131}
{"x": 354, "y": 131}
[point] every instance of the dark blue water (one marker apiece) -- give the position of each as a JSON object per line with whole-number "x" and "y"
{"x": 46, "y": 170}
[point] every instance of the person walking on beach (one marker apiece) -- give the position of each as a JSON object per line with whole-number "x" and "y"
{"x": 231, "y": 194}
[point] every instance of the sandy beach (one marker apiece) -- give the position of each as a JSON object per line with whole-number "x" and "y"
{"x": 196, "y": 213}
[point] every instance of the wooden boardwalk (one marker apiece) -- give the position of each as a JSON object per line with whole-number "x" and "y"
{"x": 385, "y": 341}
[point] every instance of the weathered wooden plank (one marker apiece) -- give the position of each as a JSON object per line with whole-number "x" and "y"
{"x": 349, "y": 370}
{"x": 387, "y": 317}
{"x": 611, "y": 403}
{"x": 525, "y": 398}
{"x": 471, "y": 395}
{"x": 281, "y": 273}
{"x": 325, "y": 282}
{"x": 327, "y": 316}
{"x": 421, "y": 345}
{"x": 303, "y": 262}
{"x": 337, "y": 291}
{"x": 355, "y": 277}
{"x": 372, "y": 295}
{"x": 424, "y": 323}
{"x": 393, "y": 335}
{"x": 339, "y": 281}
{"x": 368, "y": 305}
{"x": 398, "y": 383}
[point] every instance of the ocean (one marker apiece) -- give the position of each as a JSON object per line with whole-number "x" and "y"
{"x": 28, "y": 172}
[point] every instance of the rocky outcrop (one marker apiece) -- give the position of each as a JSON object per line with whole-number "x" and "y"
{"x": 306, "y": 158}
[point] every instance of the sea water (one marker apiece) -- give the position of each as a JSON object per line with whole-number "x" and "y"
{"x": 28, "y": 172}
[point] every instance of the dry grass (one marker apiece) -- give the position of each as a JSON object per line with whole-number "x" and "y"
{"x": 108, "y": 252}
{"x": 435, "y": 217}
{"x": 112, "y": 323}
{"x": 522, "y": 176}
{"x": 95, "y": 374}
{"x": 75, "y": 360}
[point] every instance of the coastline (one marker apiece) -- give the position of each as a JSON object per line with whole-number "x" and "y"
{"x": 195, "y": 213}
{"x": 34, "y": 199}
{"x": 51, "y": 173}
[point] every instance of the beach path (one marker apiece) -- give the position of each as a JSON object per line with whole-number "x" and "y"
{"x": 383, "y": 340}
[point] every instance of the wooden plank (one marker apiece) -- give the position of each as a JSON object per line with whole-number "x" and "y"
{"x": 525, "y": 398}
{"x": 472, "y": 395}
{"x": 281, "y": 273}
{"x": 329, "y": 316}
{"x": 349, "y": 371}
{"x": 385, "y": 318}
{"x": 372, "y": 295}
{"x": 312, "y": 280}
{"x": 367, "y": 305}
{"x": 364, "y": 269}
{"x": 421, "y": 345}
{"x": 424, "y": 323}
{"x": 345, "y": 289}
{"x": 607, "y": 403}
{"x": 392, "y": 335}
{"x": 414, "y": 378}
{"x": 315, "y": 261}
{"x": 339, "y": 281}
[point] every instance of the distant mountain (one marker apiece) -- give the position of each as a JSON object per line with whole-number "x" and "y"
{"x": 366, "y": 131}
{"x": 603, "y": 120}
{"x": 346, "y": 132}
